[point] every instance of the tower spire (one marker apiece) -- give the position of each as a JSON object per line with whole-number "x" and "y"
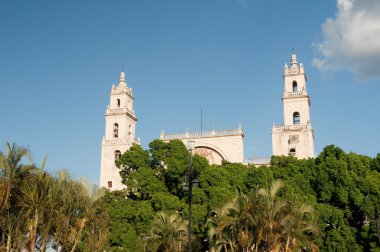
{"x": 293, "y": 60}
{"x": 122, "y": 78}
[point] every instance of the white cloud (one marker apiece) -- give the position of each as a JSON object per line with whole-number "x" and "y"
{"x": 351, "y": 41}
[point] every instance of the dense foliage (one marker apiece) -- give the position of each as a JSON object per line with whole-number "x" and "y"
{"x": 331, "y": 202}
{"x": 39, "y": 210}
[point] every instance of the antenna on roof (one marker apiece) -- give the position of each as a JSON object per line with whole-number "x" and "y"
{"x": 201, "y": 121}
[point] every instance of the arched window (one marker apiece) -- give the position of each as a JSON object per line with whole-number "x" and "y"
{"x": 292, "y": 152}
{"x": 116, "y": 130}
{"x": 296, "y": 118}
{"x": 295, "y": 87}
{"x": 118, "y": 103}
{"x": 117, "y": 155}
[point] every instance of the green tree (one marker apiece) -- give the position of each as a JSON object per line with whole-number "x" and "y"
{"x": 132, "y": 160}
{"x": 12, "y": 169}
{"x": 143, "y": 183}
{"x": 33, "y": 202}
{"x": 262, "y": 221}
{"x": 168, "y": 233}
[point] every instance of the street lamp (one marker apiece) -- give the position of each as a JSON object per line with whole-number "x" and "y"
{"x": 189, "y": 186}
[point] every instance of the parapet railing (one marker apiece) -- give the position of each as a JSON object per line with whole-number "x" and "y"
{"x": 279, "y": 128}
{"x": 210, "y": 133}
{"x": 295, "y": 94}
{"x": 120, "y": 110}
{"x": 122, "y": 141}
{"x": 258, "y": 161}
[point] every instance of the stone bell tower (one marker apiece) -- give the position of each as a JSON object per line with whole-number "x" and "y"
{"x": 295, "y": 137}
{"x": 119, "y": 133}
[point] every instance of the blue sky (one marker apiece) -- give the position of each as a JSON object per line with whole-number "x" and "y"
{"x": 59, "y": 59}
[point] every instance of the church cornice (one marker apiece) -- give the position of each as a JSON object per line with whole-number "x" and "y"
{"x": 292, "y": 95}
{"x": 287, "y": 128}
{"x": 294, "y": 73}
{"x": 121, "y": 111}
{"x": 122, "y": 92}
{"x": 120, "y": 142}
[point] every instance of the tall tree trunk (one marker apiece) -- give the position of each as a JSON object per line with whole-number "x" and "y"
{"x": 6, "y": 193}
{"x": 287, "y": 244}
{"x": 43, "y": 247}
{"x": 9, "y": 240}
{"x": 81, "y": 226}
{"x": 33, "y": 233}
{"x": 3, "y": 239}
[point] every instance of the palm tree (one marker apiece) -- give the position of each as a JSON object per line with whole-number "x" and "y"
{"x": 79, "y": 215}
{"x": 222, "y": 226}
{"x": 96, "y": 230}
{"x": 70, "y": 204}
{"x": 261, "y": 221}
{"x": 41, "y": 210}
{"x": 233, "y": 226}
{"x": 215, "y": 244}
{"x": 94, "y": 222}
{"x": 295, "y": 224}
{"x": 11, "y": 170}
{"x": 167, "y": 233}
{"x": 34, "y": 203}
{"x": 272, "y": 210}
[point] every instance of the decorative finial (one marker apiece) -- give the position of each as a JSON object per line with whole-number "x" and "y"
{"x": 293, "y": 60}
{"x": 122, "y": 76}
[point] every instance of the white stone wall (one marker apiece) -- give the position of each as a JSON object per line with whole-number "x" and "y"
{"x": 227, "y": 144}
{"x": 109, "y": 171}
{"x": 300, "y": 105}
{"x": 283, "y": 141}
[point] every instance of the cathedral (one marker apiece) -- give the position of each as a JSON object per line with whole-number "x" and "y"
{"x": 294, "y": 138}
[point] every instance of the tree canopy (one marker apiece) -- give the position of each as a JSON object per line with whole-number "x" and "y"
{"x": 333, "y": 200}
{"x": 330, "y": 203}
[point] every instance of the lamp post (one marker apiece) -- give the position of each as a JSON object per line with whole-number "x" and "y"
{"x": 190, "y": 147}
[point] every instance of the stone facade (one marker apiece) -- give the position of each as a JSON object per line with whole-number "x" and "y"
{"x": 214, "y": 145}
{"x": 295, "y": 137}
{"x": 119, "y": 133}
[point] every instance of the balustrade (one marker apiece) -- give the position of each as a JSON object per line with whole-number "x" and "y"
{"x": 295, "y": 94}
{"x": 258, "y": 161}
{"x": 201, "y": 134}
{"x": 280, "y": 128}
